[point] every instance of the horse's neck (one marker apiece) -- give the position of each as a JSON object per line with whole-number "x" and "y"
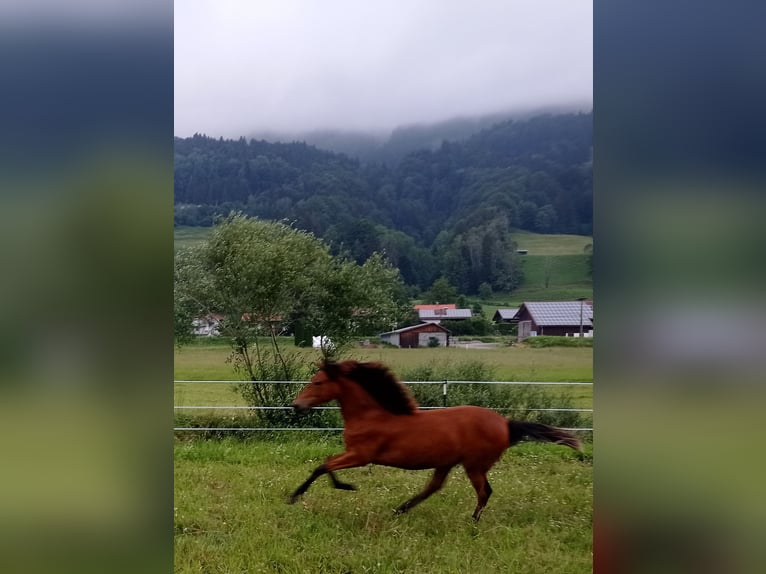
{"x": 356, "y": 404}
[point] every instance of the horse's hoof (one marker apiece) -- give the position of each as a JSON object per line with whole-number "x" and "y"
{"x": 345, "y": 486}
{"x": 293, "y": 499}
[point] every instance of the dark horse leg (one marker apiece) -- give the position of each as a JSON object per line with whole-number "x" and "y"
{"x": 436, "y": 482}
{"x": 335, "y": 462}
{"x": 483, "y": 490}
{"x": 318, "y": 471}
{"x": 338, "y": 484}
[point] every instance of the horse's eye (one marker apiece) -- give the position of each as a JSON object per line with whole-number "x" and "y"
{"x": 317, "y": 383}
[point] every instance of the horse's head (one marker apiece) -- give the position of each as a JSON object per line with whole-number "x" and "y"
{"x": 322, "y": 388}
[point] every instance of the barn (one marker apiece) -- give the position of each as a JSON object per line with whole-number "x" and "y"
{"x": 505, "y": 315}
{"x": 418, "y": 336}
{"x": 554, "y": 318}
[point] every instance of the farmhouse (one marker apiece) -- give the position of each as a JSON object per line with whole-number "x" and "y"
{"x": 207, "y": 326}
{"x": 556, "y": 318}
{"x": 210, "y": 324}
{"x": 434, "y": 307}
{"x": 438, "y": 315}
{"x": 418, "y": 336}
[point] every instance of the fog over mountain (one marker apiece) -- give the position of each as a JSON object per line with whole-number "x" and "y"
{"x": 390, "y": 146}
{"x": 299, "y": 67}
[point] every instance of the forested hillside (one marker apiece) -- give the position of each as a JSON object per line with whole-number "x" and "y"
{"x": 446, "y": 211}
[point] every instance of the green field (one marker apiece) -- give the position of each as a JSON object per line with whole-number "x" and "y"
{"x": 568, "y": 279}
{"x": 207, "y": 361}
{"x": 535, "y": 243}
{"x": 230, "y": 513}
{"x": 187, "y": 236}
{"x": 539, "y": 244}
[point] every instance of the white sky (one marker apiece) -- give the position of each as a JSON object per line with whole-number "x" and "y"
{"x": 293, "y": 65}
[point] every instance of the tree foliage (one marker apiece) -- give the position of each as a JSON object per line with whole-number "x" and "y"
{"x": 263, "y": 276}
{"x": 444, "y": 209}
{"x": 441, "y": 291}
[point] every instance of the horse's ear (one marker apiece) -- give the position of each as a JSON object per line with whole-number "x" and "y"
{"x": 331, "y": 368}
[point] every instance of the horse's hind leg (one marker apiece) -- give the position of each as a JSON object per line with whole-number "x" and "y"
{"x": 436, "y": 482}
{"x": 483, "y": 490}
{"x": 340, "y": 485}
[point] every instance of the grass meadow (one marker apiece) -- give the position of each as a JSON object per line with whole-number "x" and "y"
{"x": 553, "y": 244}
{"x": 231, "y": 515}
{"x": 230, "y": 510}
{"x": 207, "y": 361}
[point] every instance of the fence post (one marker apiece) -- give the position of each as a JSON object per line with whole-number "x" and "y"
{"x": 444, "y": 394}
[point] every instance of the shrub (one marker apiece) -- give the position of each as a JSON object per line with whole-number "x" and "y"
{"x": 473, "y": 326}
{"x": 507, "y": 329}
{"x": 545, "y": 341}
{"x": 514, "y": 401}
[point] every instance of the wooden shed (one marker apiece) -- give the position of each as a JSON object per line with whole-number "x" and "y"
{"x": 418, "y": 336}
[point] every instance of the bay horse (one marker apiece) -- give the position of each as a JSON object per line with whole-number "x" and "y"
{"x": 383, "y": 424}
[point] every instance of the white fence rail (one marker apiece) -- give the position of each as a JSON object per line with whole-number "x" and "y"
{"x": 445, "y": 387}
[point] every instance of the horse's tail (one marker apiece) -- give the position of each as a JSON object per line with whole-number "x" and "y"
{"x": 517, "y": 430}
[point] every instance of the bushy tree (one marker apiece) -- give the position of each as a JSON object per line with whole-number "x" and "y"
{"x": 441, "y": 291}
{"x": 349, "y": 300}
{"x": 485, "y": 291}
{"x": 259, "y": 275}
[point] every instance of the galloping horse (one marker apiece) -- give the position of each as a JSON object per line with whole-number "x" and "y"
{"x": 384, "y": 425}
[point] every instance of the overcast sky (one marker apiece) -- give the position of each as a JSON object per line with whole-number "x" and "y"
{"x": 243, "y": 66}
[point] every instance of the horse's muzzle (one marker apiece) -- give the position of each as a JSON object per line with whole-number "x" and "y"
{"x": 300, "y": 409}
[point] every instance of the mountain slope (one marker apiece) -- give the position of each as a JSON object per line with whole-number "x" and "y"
{"x": 446, "y": 210}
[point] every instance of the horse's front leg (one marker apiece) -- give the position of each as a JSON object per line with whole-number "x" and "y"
{"x": 339, "y": 484}
{"x": 333, "y": 463}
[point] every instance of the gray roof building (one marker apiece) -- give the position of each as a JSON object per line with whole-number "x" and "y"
{"x": 436, "y": 315}
{"x": 504, "y": 315}
{"x": 556, "y": 318}
{"x": 418, "y": 335}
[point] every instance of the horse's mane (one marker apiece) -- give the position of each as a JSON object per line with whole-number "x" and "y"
{"x": 380, "y": 383}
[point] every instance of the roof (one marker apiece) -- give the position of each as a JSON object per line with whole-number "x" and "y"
{"x": 249, "y": 317}
{"x": 411, "y": 327}
{"x": 559, "y": 312}
{"x": 434, "y": 307}
{"x": 506, "y": 314}
{"x": 439, "y": 314}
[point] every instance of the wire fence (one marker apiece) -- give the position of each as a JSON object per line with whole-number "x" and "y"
{"x": 445, "y": 394}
